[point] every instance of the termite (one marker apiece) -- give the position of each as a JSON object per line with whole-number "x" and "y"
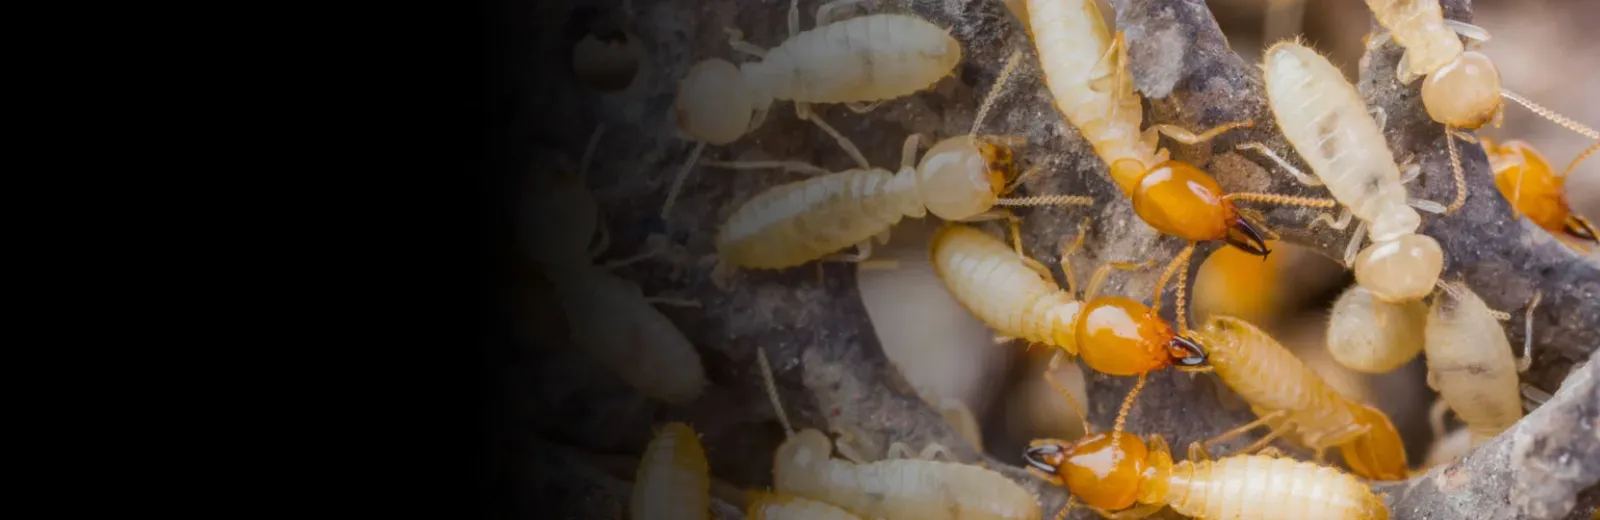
{"x": 959, "y": 179}
{"x": 1470, "y": 361}
{"x": 607, "y": 316}
{"x": 1326, "y": 121}
{"x": 777, "y": 506}
{"x": 804, "y": 466}
{"x": 674, "y": 481}
{"x": 1127, "y": 478}
{"x": 1086, "y": 71}
{"x": 1289, "y": 397}
{"x": 1534, "y": 189}
{"x": 866, "y": 59}
{"x": 1369, "y": 335}
{"x": 1462, "y": 89}
{"x": 1113, "y": 334}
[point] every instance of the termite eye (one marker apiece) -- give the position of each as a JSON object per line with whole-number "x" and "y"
{"x": 1187, "y": 352}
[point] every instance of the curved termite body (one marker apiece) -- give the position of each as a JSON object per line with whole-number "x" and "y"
{"x": 1327, "y": 123}
{"x": 1287, "y": 394}
{"x": 673, "y": 481}
{"x": 1534, "y": 189}
{"x": 1140, "y": 479}
{"x": 1470, "y": 363}
{"x": 864, "y": 59}
{"x": 1084, "y": 68}
{"x": 1370, "y": 335}
{"x": 775, "y": 506}
{"x": 896, "y": 488}
{"x": 1113, "y": 335}
{"x": 792, "y": 224}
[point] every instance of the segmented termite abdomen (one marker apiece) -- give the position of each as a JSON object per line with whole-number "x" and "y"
{"x": 1471, "y": 365}
{"x": 1418, "y": 26}
{"x": 792, "y": 224}
{"x": 1255, "y": 487}
{"x": 869, "y": 58}
{"x": 673, "y": 482}
{"x": 1325, "y": 119}
{"x": 993, "y": 284}
{"x": 1070, "y": 37}
{"x": 786, "y": 507}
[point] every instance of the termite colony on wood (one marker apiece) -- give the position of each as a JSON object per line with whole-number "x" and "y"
{"x": 1400, "y": 306}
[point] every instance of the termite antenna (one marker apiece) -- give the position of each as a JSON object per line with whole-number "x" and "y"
{"x": 677, "y": 182}
{"x": 1072, "y": 500}
{"x": 1585, "y": 155}
{"x": 1161, "y": 284}
{"x": 1455, "y": 166}
{"x": 1127, "y": 406}
{"x": 1286, "y": 200}
{"x": 1047, "y": 200}
{"x": 1551, "y": 115}
{"x": 588, "y": 151}
{"x": 772, "y": 390}
{"x": 994, "y": 91}
{"x": 1527, "y": 334}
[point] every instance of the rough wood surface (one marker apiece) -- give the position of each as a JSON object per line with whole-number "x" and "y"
{"x": 831, "y": 371}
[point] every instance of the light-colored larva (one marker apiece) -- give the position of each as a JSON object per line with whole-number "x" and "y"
{"x": 1470, "y": 363}
{"x": 804, "y": 466}
{"x": 1291, "y": 398}
{"x": 775, "y": 506}
{"x": 673, "y": 481}
{"x": 1370, "y": 335}
{"x": 1327, "y": 123}
{"x": 865, "y": 59}
{"x": 1135, "y": 479}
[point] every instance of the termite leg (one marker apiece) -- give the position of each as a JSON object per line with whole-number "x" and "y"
{"x": 1099, "y": 278}
{"x": 1197, "y": 452}
{"x": 770, "y": 382}
{"x": 1468, "y": 30}
{"x": 1375, "y": 40}
{"x": 1410, "y": 173}
{"x": 1436, "y": 418}
{"x": 787, "y": 166}
{"x": 1343, "y": 221}
{"x": 803, "y": 111}
{"x": 908, "y": 151}
{"x": 1533, "y": 396}
{"x": 862, "y": 108}
{"x": 1298, "y": 175}
{"x": 736, "y": 41}
{"x": 1185, "y": 136}
{"x": 1050, "y": 377}
{"x": 1430, "y": 206}
{"x": 845, "y": 445}
{"x": 1350, "y": 251}
{"x": 1067, "y": 251}
{"x": 825, "y": 11}
{"x": 677, "y": 181}
{"x": 1339, "y": 437}
{"x": 1264, "y": 420}
{"x": 1379, "y": 116}
{"x": 1107, "y": 82}
{"x": 1527, "y": 334}
{"x": 794, "y": 18}
{"x": 1264, "y": 442}
{"x": 1402, "y": 69}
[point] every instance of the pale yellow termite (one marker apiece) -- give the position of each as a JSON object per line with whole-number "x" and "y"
{"x": 1326, "y": 121}
{"x": 609, "y": 317}
{"x": 777, "y": 506}
{"x": 1369, "y": 335}
{"x": 673, "y": 481}
{"x": 865, "y": 59}
{"x": 960, "y": 178}
{"x": 1288, "y": 396}
{"x": 1470, "y": 362}
{"x": 804, "y": 466}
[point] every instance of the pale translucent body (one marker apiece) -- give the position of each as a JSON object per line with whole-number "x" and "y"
{"x": 1327, "y": 122}
{"x": 1255, "y": 487}
{"x": 610, "y": 319}
{"x": 1471, "y": 365}
{"x": 1402, "y": 269}
{"x": 1370, "y": 335}
{"x": 673, "y": 481}
{"x": 784, "y": 507}
{"x": 897, "y": 488}
{"x": 993, "y": 283}
{"x": 1070, "y": 37}
{"x": 869, "y": 58}
{"x": 1271, "y": 379}
{"x": 1418, "y": 25}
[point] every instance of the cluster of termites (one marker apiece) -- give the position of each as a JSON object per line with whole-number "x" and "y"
{"x": 1399, "y": 308}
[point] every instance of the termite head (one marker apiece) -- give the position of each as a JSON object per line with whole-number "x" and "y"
{"x": 713, "y": 105}
{"x": 1402, "y": 269}
{"x": 1181, "y": 200}
{"x": 1099, "y": 472}
{"x": 963, "y": 176}
{"x": 1464, "y": 93}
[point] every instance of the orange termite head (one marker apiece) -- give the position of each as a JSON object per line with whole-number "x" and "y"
{"x": 963, "y": 176}
{"x": 1181, "y": 200}
{"x": 1120, "y": 336}
{"x": 1101, "y": 473}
